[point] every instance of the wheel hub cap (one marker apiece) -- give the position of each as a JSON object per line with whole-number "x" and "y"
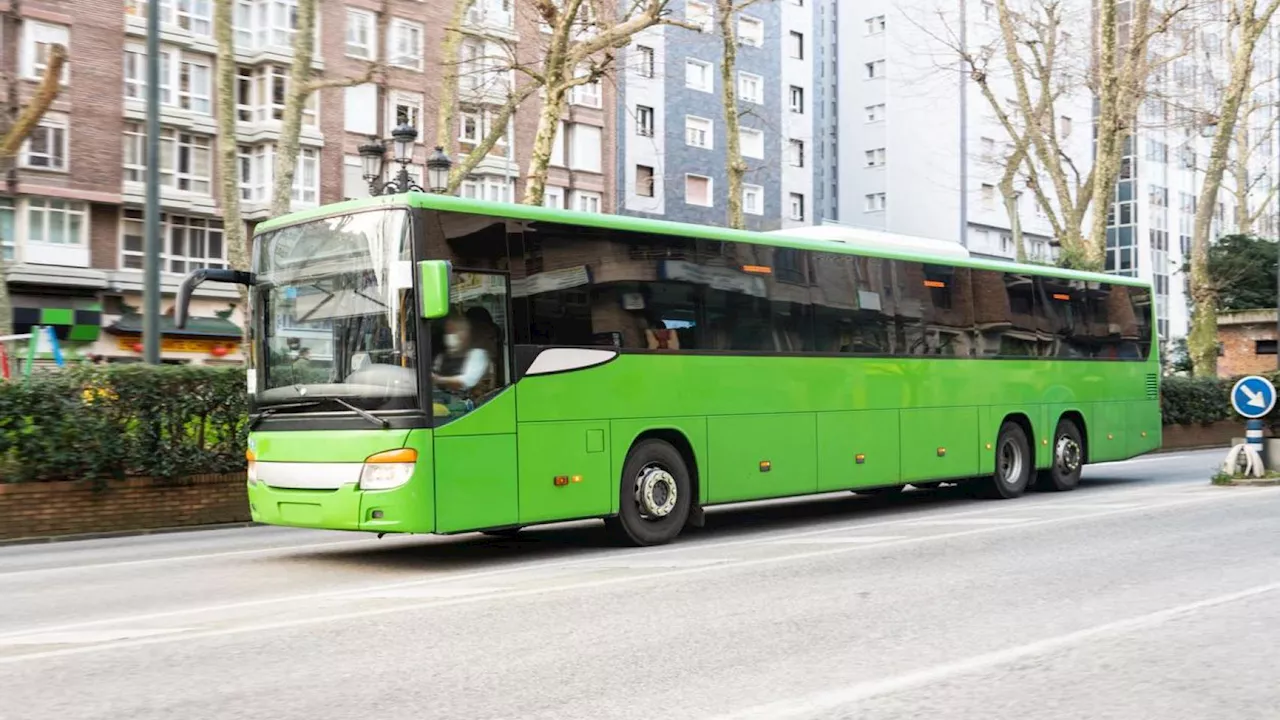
{"x": 655, "y": 492}
{"x": 1010, "y": 462}
{"x": 1067, "y": 454}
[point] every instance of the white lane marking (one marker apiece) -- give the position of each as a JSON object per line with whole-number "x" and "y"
{"x": 86, "y": 637}
{"x": 763, "y": 539}
{"x": 931, "y": 522}
{"x": 589, "y": 584}
{"x": 852, "y": 694}
{"x": 1089, "y": 506}
{"x": 852, "y": 539}
{"x": 180, "y": 558}
{"x": 428, "y": 593}
{"x": 645, "y": 563}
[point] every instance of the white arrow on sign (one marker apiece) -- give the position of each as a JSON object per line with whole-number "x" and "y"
{"x": 1255, "y": 398}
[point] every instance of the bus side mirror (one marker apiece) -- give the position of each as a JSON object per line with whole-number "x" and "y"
{"x": 194, "y": 279}
{"x": 433, "y": 288}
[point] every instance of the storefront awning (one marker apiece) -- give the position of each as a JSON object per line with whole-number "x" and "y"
{"x": 202, "y": 327}
{"x": 80, "y": 324}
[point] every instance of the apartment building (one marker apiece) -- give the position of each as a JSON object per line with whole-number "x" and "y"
{"x": 71, "y": 207}
{"x": 671, "y": 147}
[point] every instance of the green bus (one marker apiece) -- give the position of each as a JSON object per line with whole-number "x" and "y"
{"x": 430, "y": 364}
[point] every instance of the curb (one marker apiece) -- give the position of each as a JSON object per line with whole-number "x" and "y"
{"x": 124, "y": 533}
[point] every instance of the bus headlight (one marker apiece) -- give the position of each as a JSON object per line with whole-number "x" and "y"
{"x": 388, "y": 470}
{"x": 251, "y": 470}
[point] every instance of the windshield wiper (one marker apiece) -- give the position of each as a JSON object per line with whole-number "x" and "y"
{"x": 380, "y": 422}
{"x": 255, "y": 419}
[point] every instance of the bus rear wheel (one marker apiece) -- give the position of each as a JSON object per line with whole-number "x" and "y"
{"x": 654, "y": 496}
{"x": 1014, "y": 465}
{"x": 1068, "y": 459}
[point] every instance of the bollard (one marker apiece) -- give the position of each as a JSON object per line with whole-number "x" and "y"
{"x": 1253, "y": 434}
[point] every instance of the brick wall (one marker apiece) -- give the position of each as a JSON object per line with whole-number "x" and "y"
{"x": 29, "y": 510}
{"x": 1239, "y": 348}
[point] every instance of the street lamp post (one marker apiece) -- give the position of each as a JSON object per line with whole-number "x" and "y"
{"x": 373, "y": 159}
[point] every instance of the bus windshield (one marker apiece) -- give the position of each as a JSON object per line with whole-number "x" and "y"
{"x": 334, "y": 298}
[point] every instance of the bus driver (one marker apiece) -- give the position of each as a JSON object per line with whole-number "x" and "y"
{"x": 461, "y": 365}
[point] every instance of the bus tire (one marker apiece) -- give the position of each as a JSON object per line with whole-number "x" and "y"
{"x": 1068, "y": 459}
{"x": 654, "y": 496}
{"x": 1014, "y": 464}
{"x": 509, "y": 532}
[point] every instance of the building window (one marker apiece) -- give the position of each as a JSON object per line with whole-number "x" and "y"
{"x": 190, "y": 243}
{"x": 261, "y": 94}
{"x": 644, "y": 180}
{"x": 797, "y": 99}
{"x": 644, "y": 121}
{"x": 190, "y": 74}
{"x": 195, "y": 86}
{"x": 698, "y": 14}
{"x": 588, "y": 95}
{"x": 875, "y": 113}
{"x": 405, "y": 108}
{"x": 553, "y": 197}
{"x": 257, "y": 167}
{"x": 797, "y": 206}
{"x": 751, "y": 142}
{"x": 697, "y": 75}
{"x": 1264, "y": 347}
{"x": 874, "y": 202}
{"x": 38, "y": 39}
{"x": 493, "y": 189}
{"x": 698, "y": 132}
{"x": 585, "y": 201}
{"x": 186, "y": 159}
{"x": 644, "y": 61}
{"x": 362, "y": 34}
{"x": 697, "y": 190}
{"x": 753, "y": 199}
{"x": 751, "y": 31}
{"x": 875, "y": 25}
{"x": 56, "y": 222}
{"x": 586, "y": 147}
{"x": 797, "y": 45}
{"x": 8, "y": 227}
{"x": 988, "y": 196}
{"x": 875, "y": 158}
{"x": 751, "y": 88}
{"x": 263, "y": 23}
{"x": 194, "y": 17}
{"x": 46, "y": 147}
{"x": 796, "y": 151}
{"x": 875, "y": 69}
{"x": 404, "y": 44}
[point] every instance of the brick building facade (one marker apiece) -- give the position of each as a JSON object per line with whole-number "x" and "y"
{"x": 1246, "y": 342}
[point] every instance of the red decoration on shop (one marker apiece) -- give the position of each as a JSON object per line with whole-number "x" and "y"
{"x": 218, "y": 351}
{"x": 137, "y": 347}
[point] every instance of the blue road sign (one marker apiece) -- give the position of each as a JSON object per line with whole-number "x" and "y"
{"x": 1253, "y": 396}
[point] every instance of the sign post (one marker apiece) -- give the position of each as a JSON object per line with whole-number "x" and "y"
{"x": 1252, "y": 397}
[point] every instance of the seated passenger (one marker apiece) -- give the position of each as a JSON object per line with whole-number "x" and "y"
{"x": 461, "y": 365}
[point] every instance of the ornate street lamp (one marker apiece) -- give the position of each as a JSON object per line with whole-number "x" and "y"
{"x": 373, "y": 160}
{"x": 438, "y": 167}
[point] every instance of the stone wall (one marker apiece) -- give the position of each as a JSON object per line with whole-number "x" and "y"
{"x": 31, "y": 510}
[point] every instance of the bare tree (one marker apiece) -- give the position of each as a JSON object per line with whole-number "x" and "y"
{"x": 1248, "y": 146}
{"x": 1246, "y": 23}
{"x": 583, "y": 36}
{"x": 11, "y": 142}
{"x": 736, "y": 166}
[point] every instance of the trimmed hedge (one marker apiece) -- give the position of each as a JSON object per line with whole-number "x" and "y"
{"x": 1199, "y": 400}
{"x": 110, "y": 422}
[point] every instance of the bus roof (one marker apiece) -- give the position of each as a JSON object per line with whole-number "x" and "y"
{"x": 799, "y": 238}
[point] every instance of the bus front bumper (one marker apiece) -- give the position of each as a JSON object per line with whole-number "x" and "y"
{"x": 347, "y": 508}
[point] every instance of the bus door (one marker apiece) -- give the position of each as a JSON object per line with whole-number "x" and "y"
{"x": 474, "y": 405}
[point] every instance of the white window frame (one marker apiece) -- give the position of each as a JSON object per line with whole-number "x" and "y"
{"x": 758, "y": 134}
{"x": 590, "y": 95}
{"x": 875, "y": 70}
{"x": 553, "y": 197}
{"x": 875, "y": 157}
{"x": 414, "y": 58}
{"x": 71, "y": 208}
{"x": 795, "y": 152}
{"x": 711, "y": 201}
{"x": 796, "y": 211}
{"x": 653, "y": 181}
{"x": 700, "y": 14}
{"x": 708, "y": 75}
{"x": 8, "y": 229}
{"x": 875, "y": 113}
{"x": 750, "y": 31}
{"x": 875, "y": 25}
{"x": 748, "y": 192}
{"x": 643, "y": 128}
{"x": 304, "y": 193}
{"x": 587, "y": 201}
{"x": 191, "y": 228}
{"x": 173, "y": 143}
{"x": 471, "y": 126}
{"x": 576, "y": 162}
{"x": 796, "y": 41}
{"x": 368, "y": 49}
{"x": 797, "y": 99}
{"x": 413, "y": 102}
{"x": 874, "y": 202}
{"x": 646, "y": 58}
{"x": 690, "y": 123}
{"x": 58, "y": 127}
{"x": 757, "y": 97}
{"x": 36, "y": 34}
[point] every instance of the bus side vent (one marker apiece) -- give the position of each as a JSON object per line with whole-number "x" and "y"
{"x": 1153, "y": 386}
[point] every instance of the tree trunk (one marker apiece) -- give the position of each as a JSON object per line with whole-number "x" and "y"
{"x": 449, "y": 53}
{"x": 1015, "y": 222}
{"x": 498, "y": 128}
{"x": 540, "y": 157}
{"x": 233, "y": 232}
{"x": 1202, "y": 343}
{"x": 1240, "y": 175}
{"x": 291, "y": 124}
{"x": 736, "y": 166}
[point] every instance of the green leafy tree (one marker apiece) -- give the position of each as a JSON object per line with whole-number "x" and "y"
{"x": 1242, "y": 269}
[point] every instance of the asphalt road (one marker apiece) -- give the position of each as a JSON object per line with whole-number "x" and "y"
{"x": 1147, "y": 593}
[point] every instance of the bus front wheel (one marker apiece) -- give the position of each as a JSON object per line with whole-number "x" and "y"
{"x": 654, "y": 497}
{"x": 1014, "y": 464}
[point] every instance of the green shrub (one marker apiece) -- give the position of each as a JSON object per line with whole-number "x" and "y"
{"x": 103, "y": 422}
{"x": 1194, "y": 400}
